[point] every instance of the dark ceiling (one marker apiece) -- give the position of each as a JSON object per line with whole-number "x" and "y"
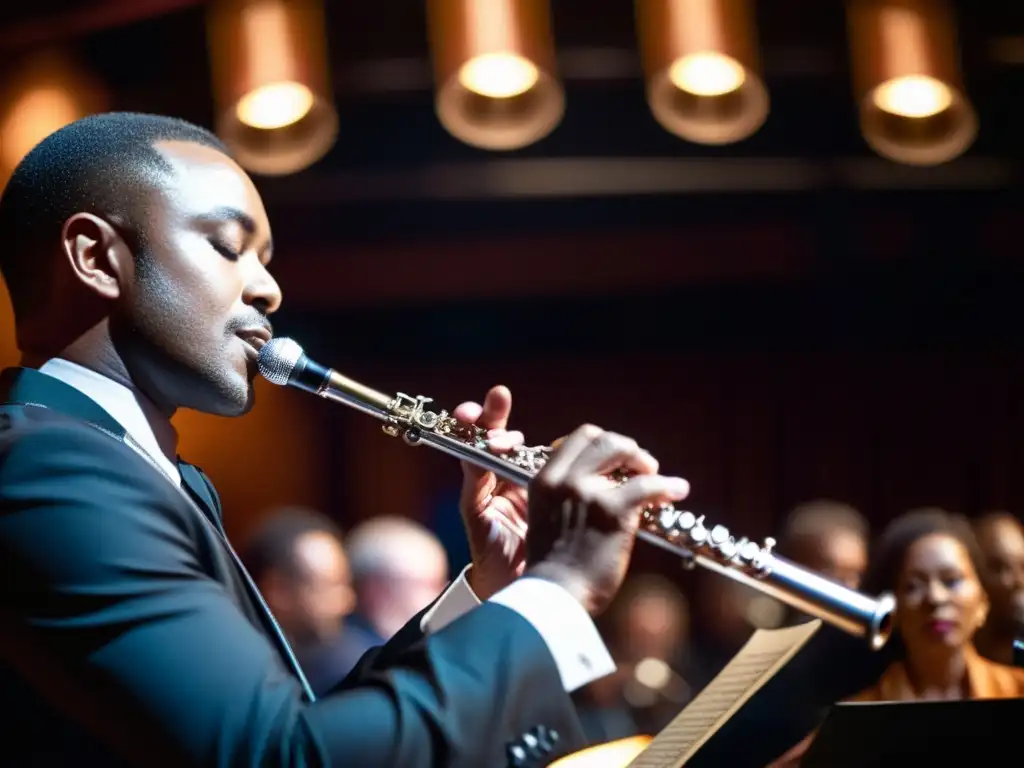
{"x": 396, "y": 177}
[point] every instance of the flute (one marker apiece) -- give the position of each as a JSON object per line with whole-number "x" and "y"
{"x": 684, "y": 533}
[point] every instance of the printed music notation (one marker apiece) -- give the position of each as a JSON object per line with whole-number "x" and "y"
{"x": 767, "y": 652}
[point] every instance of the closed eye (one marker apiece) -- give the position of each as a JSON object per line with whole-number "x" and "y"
{"x": 223, "y": 250}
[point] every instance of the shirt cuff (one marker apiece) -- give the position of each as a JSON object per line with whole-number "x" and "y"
{"x": 565, "y": 626}
{"x": 457, "y": 600}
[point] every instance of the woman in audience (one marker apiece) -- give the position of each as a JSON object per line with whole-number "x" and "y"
{"x": 930, "y": 560}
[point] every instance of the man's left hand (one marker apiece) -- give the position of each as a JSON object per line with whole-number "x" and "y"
{"x": 498, "y": 553}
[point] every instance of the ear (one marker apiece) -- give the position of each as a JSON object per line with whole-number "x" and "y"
{"x": 98, "y": 256}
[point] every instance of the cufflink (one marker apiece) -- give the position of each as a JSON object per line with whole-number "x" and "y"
{"x": 516, "y": 756}
{"x": 546, "y": 738}
{"x": 534, "y": 745}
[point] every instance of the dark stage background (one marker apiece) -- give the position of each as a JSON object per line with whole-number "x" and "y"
{"x": 781, "y": 319}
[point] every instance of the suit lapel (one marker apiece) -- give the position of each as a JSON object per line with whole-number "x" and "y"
{"x": 194, "y": 482}
{"x": 202, "y": 492}
{"x": 27, "y": 387}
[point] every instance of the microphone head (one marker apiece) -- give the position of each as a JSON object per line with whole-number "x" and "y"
{"x": 278, "y": 358}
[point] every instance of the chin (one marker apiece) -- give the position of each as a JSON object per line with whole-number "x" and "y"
{"x": 229, "y": 396}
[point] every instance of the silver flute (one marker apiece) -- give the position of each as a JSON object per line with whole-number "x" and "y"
{"x": 690, "y": 536}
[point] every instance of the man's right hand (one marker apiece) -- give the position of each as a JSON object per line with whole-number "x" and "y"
{"x": 582, "y": 523}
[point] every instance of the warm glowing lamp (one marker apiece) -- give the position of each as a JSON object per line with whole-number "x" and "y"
{"x": 702, "y": 68}
{"x": 613, "y": 754}
{"x": 42, "y": 95}
{"x": 494, "y": 67}
{"x": 271, "y": 83}
{"x": 907, "y": 80}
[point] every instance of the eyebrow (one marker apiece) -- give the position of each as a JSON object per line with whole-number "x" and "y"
{"x": 240, "y": 217}
{"x": 228, "y": 214}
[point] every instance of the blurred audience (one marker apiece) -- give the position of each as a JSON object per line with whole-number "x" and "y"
{"x": 646, "y": 629}
{"x": 828, "y": 537}
{"x": 297, "y": 560}
{"x": 931, "y": 561}
{"x": 725, "y": 614}
{"x": 1001, "y": 538}
{"x": 398, "y": 569}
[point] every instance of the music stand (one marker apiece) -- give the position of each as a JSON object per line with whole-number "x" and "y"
{"x": 980, "y": 732}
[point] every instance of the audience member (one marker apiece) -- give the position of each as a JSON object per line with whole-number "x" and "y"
{"x": 297, "y": 560}
{"x": 646, "y": 629}
{"x": 1001, "y": 538}
{"x": 398, "y": 568}
{"x": 828, "y": 537}
{"x": 931, "y": 561}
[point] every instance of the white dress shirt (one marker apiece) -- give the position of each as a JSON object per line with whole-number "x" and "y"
{"x": 578, "y": 651}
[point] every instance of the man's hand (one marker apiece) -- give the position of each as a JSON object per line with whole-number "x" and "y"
{"x": 582, "y": 523}
{"x": 498, "y": 554}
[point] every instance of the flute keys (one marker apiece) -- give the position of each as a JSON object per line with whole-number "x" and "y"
{"x": 667, "y": 516}
{"x": 699, "y": 533}
{"x": 749, "y": 550}
{"x": 728, "y": 549}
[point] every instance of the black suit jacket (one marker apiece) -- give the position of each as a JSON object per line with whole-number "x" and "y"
{"x": 131, "y": 635}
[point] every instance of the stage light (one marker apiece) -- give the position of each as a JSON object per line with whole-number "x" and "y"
{"x": 42, "y": 94}
{"x": 702, "y": 68}
{"x": 907, "y": 80}
{"x": 271, "y": 82}
{"x": 494, "y": 70}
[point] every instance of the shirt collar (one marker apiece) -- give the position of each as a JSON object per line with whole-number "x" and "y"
{"x": 153, "y": 431}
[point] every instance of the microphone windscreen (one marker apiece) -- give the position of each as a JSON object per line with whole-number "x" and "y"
{"x": 278, "y": 358}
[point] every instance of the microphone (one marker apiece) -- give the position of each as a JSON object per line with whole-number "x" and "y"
{"x": 282, "y": 361}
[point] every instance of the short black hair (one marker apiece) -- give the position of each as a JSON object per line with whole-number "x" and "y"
{"x": 101, "y": 164}
{"x": 899, "y": 536}
{"x": 272, "y": 545}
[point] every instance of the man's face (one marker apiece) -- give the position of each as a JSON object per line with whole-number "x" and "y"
{"x": 840, "y": 555}
{"x": 324, "y": 594}
{"x": 195, "y": 315}
{"x": 1002, "y": 542}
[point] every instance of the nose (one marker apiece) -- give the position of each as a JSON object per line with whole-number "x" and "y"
{"x": 261, "y": 289}
{"x": 937, "y": 592}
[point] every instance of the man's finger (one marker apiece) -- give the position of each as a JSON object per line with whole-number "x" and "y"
{"x": 497, "y": 408}
{"x": 643, "y": 490}
{"x": 609, "y": 452}
{"x": 569, "y": 449}
{"x": 468, "y": 413}
{"x": 500, "y": 440}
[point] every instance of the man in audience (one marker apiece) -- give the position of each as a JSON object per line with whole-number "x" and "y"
{"x": 1001, "y": 537}
{"x": 828, "y": 537}
{"x": 298, "y": 562}
{"x": 647, "y": 631}
{"x": 398, "y": 568}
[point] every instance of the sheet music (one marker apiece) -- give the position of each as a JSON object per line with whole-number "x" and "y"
{"x": 758, "y": 661}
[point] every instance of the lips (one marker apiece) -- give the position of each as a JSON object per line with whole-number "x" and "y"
{"x": 256, "y": 337}
{"x": 941, "y": 626}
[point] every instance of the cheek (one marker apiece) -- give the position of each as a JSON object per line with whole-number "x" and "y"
{"x": 971, "y": 598}
{"x": 908, "y": 611}
{"x": 210, "y": 283}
